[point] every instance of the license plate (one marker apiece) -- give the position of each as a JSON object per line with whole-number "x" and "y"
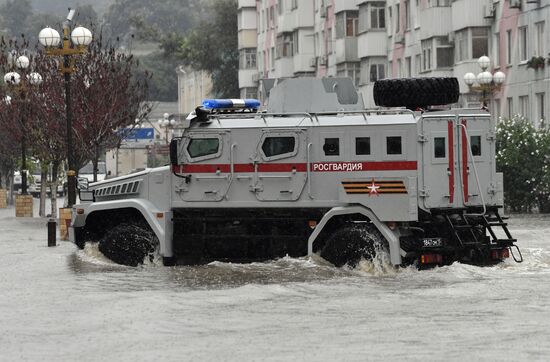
{"x": 432, "y": 242}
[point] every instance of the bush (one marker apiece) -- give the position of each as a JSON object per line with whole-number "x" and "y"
{"x": 523, "y": 156}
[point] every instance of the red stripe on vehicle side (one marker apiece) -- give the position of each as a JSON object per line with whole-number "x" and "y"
{"x": 465, "y": 160}
{"x": 298, "y": 167}
{"x": 451, "y": 162}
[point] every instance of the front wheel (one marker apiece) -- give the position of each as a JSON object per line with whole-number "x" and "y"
{"x": 129, "y": 244}
{"x": 349, "y": 244}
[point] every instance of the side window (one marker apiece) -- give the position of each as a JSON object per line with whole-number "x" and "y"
{"x": 362, "y": 145}
{"x": 276, "y": 146}
{"x": 200, "y": 147}
{"x": 475, "y": 145}
{"x": 332, "y": 147}
{"x": 439, "y": 147}
{"x": 393, "y": 145}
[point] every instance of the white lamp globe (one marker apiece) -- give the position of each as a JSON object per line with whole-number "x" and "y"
{"x": 172, "y": 122}
{"x": 469, "y": 78}
{"x": 81, "y": 36}
{"x": 484, "y": 77}
{"x": 49, "y": 37}
{"x": 484, "y": 62}
{"x": 22, "y": 62}
{"x": 12, "y": 78}
{"x": 159, "y": 122}
{"x": 165, "y": 122}
{"x": 499, "y": 77}
{"x": 35, "y": 78}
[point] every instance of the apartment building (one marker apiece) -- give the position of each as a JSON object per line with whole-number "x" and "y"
{"x": 370, "y": 40}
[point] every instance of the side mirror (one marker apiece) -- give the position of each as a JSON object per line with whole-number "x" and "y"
{"x": 82, "y": 183}
{"x": 174, "y": 152}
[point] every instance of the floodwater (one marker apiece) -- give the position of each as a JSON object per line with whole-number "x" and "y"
{"x": 64, "y": 304}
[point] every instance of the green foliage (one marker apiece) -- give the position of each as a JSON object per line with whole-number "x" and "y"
{"x": 522, "y": 155}
{"x": 213, "y": 46}
{"x": 163, "y": 85}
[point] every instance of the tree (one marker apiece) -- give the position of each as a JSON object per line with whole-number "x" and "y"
{"x": 519, "y": 158}
{"x": 107, "y": 98}
{"x": 213, "y": 47}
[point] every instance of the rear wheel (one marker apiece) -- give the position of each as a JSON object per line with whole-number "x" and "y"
{"x": 349, "y": 244}
{"x": 129, "y": 244}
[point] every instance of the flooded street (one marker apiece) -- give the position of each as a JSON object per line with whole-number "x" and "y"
{"x": 63, "y": 304}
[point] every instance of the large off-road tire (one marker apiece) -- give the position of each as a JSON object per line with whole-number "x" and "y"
{"x": 350, "y": 243}
{"x": 129, "y": 244}
{"x": 415, "y": 92}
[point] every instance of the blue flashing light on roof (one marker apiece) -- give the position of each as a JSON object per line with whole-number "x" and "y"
{"x": 231, "y": 103}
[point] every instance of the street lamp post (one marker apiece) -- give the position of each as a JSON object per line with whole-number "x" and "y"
{"x": 22, "y": 86}
{"x": 74, "y": 43}
{"x": 487, "y": 83}
{"x": 167, "y": 124}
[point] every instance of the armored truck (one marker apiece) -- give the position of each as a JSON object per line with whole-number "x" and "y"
{"x": 313, "y": 173}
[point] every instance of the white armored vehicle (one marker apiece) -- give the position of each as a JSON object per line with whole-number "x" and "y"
{"x": 314, "y": 173}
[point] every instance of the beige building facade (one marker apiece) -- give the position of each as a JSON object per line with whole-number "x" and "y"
{"x": 370, "y": 40}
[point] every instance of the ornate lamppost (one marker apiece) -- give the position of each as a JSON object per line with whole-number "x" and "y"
{"x": 22, "y": 85}
{"x": 487, "y": 83}
{"x": 74, "y": 43}
{"x": 168, "y": 124}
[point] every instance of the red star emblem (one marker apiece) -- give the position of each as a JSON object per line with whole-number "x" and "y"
{"x": 373, "y": 188}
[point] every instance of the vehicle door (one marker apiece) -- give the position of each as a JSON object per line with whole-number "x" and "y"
{"x": 205, "y": 168}
{"x": 439, "y": 161}
{"x": 280, "y": 165}
{"x": 477, "y": 156}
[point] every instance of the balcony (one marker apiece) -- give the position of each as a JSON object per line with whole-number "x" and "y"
{"x": 436, "y": 21}
{"x": 304, "y": 63}
{"x": 247, "y": 78}
{"x": 247, "y": 4}
{"x": 346, "y": 50}
{"x": 284, "y": 67}
{"x": 372, "y": 44}
{"x": 468, "y": 13}
{"x": 343, "y": 5}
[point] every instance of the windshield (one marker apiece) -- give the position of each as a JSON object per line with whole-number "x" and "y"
{"x": 89, "y": 168}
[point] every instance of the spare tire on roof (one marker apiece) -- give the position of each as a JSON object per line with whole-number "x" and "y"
{"x": 415, "y": 92}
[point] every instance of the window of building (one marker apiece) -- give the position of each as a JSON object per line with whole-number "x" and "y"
{"x": 249, "y": 92}
{"x": 508, "y": 47}
{"x": 435, "y": 3}
{"x": 376, "y": 72}
{"x": 200, "y": 147}
{"x": 497, "y": 111}
{"x": 329, "y": 40}
{"x": 332, "y": 147}
{"x": 390, "y": 23}
{"x": 247, "y": 58}
{"x": 362, "y": 145}
{"x": 510, "y": 107}
{"x": 407, "y": 14}
{"x": 351, "y": 70}
{"x": 444, "y": 52}
{"x": 277, "y": 146}
{"x": 439, "y": 147}
{"x": 397, "y": 18}
{"x": 408, "y": 69}
{"x": 281, "y": 7}
{"x": 496, "y": 57}
{"x": 372, "y": 15}
{"x": 347, "y": 24}
{"x": 417, "y": 64}
{"x": 285, "y": 45}
{"x": 480, "y": 42}
{"x": 524, "y": 106}
{"x": 540, "y": 106}
{"x": 522, "y": 43}
{"x": 294, "y": 4}
{"x": 399, "y": 68}
{"x": 426, "y": 46}
{"x": 273, "y": 58}
{"x": 393, "y": 145}
{"x": 539, "y": 39}
{"x": 475, "y": 145}
{"x": 461, "y": 45}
